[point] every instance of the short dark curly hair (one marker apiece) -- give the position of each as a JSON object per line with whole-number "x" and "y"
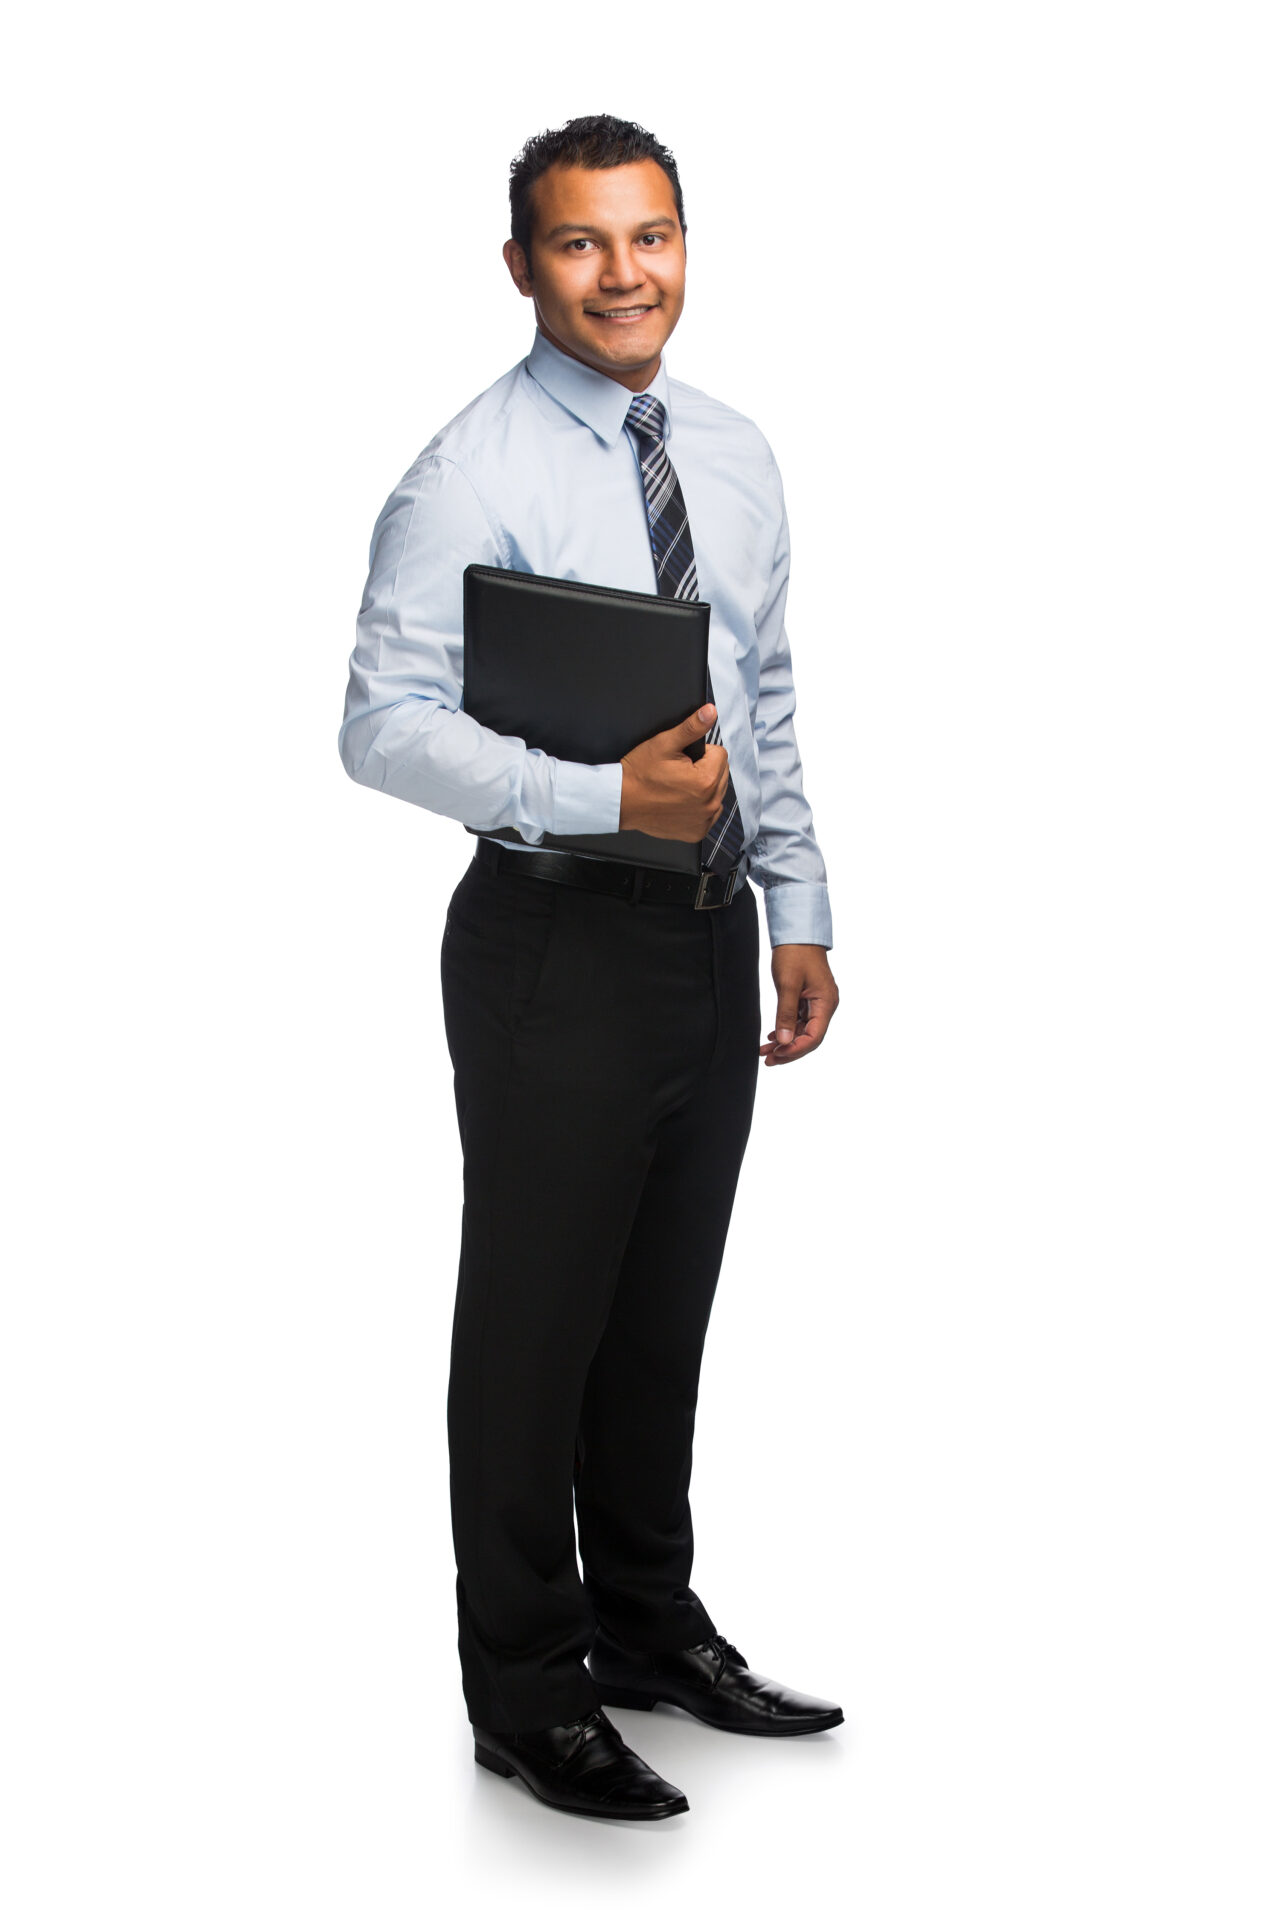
{"x": 592, "y": 140}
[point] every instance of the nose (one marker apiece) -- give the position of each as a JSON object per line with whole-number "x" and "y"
{"x": 619, "y": 271}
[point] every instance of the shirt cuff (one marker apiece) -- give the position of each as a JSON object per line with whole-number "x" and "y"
{"x": 588, "y": 799}
{"x": 798, "y": 911}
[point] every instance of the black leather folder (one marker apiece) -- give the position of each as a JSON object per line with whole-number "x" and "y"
{"x": 585, "y": 672}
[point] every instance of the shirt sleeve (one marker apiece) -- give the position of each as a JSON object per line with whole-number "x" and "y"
{"x": 403, "y": 731}
{"x": 785, "y": 858}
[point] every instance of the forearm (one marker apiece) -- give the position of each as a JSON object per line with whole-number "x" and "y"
{"x": 786, "y": 860}
{"x": 419, "y": 750}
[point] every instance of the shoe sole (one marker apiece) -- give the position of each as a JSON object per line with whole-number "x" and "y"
{"x": 506, "y": 1770}
{"x": 646, "y": 1702}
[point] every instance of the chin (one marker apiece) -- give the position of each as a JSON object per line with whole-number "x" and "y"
{"x": 631, "y": 348}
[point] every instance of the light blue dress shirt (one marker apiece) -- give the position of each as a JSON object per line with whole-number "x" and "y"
{"x": 539, "y": 474}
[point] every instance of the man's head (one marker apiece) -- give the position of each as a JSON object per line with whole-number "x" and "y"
{"x": 597, "y": 230}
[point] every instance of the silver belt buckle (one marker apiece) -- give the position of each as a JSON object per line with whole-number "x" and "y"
{"x": 731, "y": 880}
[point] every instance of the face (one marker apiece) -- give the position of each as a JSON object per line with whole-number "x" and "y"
{"x": 607, "y": 271}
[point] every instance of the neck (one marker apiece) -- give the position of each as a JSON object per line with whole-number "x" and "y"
{"x": 635, "y": 379}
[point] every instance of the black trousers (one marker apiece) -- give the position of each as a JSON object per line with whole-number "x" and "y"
{"x": 605, "y": 1065}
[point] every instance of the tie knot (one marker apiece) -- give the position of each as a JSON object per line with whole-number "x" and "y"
{"x": 647, "y": 415}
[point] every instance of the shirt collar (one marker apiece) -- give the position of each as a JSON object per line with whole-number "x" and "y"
{"x": 598, "y": 401}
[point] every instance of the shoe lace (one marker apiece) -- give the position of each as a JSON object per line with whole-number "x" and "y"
{"x": 727, "y": 1649}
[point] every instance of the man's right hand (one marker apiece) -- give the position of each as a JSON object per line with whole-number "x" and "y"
{"x": 667, "y": 794}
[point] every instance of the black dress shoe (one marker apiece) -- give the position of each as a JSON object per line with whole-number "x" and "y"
{"x": 712, "y": 1681}
{"x": 582, "y": 1767}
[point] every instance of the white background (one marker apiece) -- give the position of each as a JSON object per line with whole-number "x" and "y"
{"x": 988, "y": 1430}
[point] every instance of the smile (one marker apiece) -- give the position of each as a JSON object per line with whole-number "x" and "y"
{"x": 623, "y": 314}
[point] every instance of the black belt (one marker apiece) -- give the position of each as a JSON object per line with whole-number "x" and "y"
{"x": 621, "y": 878}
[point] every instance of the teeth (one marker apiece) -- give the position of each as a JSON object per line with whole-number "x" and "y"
{"x": 621, "y": 313}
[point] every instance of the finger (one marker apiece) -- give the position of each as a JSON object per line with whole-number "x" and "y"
{"x": 811, "y": 1029}
{"x": 788, "y": 1015}
{"x": 691, "y": 729}
{"x": 776, "y": 1055}
{"x": 785, "y": 1055}
{"x": 718, "y": 758}
{"x": 817, "y": 1018}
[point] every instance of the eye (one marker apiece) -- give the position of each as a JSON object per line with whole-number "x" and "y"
{"x": 651, "y": 236}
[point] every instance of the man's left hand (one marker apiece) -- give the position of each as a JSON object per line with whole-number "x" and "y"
{"x": 807, "y": 998}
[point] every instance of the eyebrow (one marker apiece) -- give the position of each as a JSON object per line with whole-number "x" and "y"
{"x": 580, "y": 226}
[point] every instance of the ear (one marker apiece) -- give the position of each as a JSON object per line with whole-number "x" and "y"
{"x": 518, "y": 266}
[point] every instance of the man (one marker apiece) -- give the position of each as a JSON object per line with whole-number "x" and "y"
{"x": 603, "y": 1021}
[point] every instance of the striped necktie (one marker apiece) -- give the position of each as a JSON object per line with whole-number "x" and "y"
{"x": 677, "y": 574}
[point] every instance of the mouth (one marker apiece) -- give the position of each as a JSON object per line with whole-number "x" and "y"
{"x": 620, "y": 316}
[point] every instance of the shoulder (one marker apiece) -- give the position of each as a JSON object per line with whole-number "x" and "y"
{"x": 736, "y": 431}
{"x": 475, "y": 436}
{"x": 474, "y": 431}
{"x": 451, "y": 473}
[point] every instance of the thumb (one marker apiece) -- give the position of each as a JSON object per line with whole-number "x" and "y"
{"x": 788, "y": 1014}
{"x": 695, "y": 726}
